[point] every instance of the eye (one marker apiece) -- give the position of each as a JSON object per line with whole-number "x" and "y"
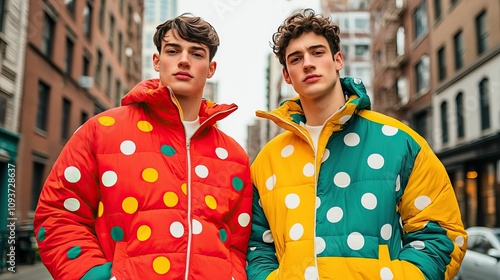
{"x": 319, "y": 52}
{"x": 294, "y": 59}
{"x": 171, "y": 51}
{"x": 198, "y": 54}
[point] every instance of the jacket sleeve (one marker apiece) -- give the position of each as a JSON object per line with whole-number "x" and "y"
{"x": 66, "y": 212}
{"x": 262, "y": 261}
{"x": 434, "y": 237}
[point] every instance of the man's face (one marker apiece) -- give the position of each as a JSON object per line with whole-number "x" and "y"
{"x": 311, "y": 69}
{"x": 183, "y": 65}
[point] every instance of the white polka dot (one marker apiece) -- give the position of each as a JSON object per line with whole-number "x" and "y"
{"x": 72, "y": 174}
{"x": 308, "y": 170}
{"x": 325, "y": 156}
{"x": 357, "y": 81}
{"x": 252, "y": 248}
{"x": 386, "y": 231}
{"x": 375, "y": 161}
{"x": 292, "y": 201}
{"x": 342, "y": 180}
{"x": 419, "y": 245}
{"x": 296, "y": 231}
{"x": 72, "y": 204}
{"x": 260, "y": 203}
{"x": 318, "y": 202}
{"x": 176, "y": 229}
{"x": 319, "y": 245}
{"x": 388, "y": 130}
{"x": 398, "y": 183}
{"x": 369, "y": 201}
{"x": 460, "y": 241}
{"x": 197, "y": 227}
{"x": 221, "y": 153}
{"x": 127, "y": 147}
{"x": 422, "y": 201}
{"x": 311, "y": 273}
{"x": 401, "y": 223}
{"x": 109, "y": 178}
{"x": 335, "y": 214}
{"x": 244, "y": 219}
{"x": 267, "y": 237}
{"x": 351, "y": 139}
{"x": 345, "y": 118}
{"x": 201, "y": 171}
{"x": 113, "y": 278}
{"x": 386, "y": 274}
{"x": 356, "y": 241}
{"x": 287, "y": 151}
{"x": 270, "y": 182}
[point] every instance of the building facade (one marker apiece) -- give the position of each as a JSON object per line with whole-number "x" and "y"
{"x": 81, "y": 58}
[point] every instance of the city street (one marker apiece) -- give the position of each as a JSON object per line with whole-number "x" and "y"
{"x": 27, "y": 272}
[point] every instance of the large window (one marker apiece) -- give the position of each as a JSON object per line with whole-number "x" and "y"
{"x": 68, "y": 61}
{"x": 459, "y": 103}
{"x": 441, "y": 56}
{"x": 420, "y": 20}
{"x": 48, "y": 35}
{"x": 65, "y": 121}
{"x": 422, "y": 74}
{"x": 459, "y": 50}
{"x": 420, "y": 121}
{"x": 481, "y": 33}
{"x": 444, "y": 122}
{"x": 37, "y": 183}
{"x": 43, "y": 106}
{"x": 484, "y": 101}
{"x": 87, "y": 19}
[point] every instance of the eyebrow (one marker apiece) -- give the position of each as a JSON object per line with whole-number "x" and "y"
{"x": 175, "y": 45}
{"x": 313, "y": 47}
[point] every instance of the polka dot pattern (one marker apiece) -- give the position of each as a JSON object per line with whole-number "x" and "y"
{"x": 72, "y": 174}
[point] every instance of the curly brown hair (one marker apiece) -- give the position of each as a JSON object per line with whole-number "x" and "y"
{"x": 302, "y": 22}
{"x": 190, "y": 28}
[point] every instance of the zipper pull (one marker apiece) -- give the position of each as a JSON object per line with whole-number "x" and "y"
{"x": 188, "y": 143}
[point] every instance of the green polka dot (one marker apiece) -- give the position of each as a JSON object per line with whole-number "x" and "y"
{"x": 117, "y": 233}
{"x": 41, "y": 234}
{"x": 74, "y": 252}
{"x": 168, "y": 150}
{"x": 223, "y": 235}
{"x": 237, "y": 184}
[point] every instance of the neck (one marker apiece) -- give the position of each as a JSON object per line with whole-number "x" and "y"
{"x": 190, "y": 107}
{"x": 319, "y": 109}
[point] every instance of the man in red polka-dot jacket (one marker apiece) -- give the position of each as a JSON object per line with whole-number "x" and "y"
{"x": 152, "y": 189}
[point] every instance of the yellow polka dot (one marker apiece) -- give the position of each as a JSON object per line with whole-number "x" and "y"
{"x": 144, "y": 126}
{"x": 143, "y": 233}
{"x": 106, "y": 120}
{"x": 130, "y": 205}
{"x": 184, "y": 188}
{"x": 170, "y": 199}
{"x": 100, "y": 210}
{"x": 150, "y": 175}
{"x": 210, "y": 201}
{"x": 150, "y": 90}
{"x": 161, "y": 265}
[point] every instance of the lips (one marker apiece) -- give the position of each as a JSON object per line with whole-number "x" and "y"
{"x": 311, "y": 78}
{"x": 183, "y": 75}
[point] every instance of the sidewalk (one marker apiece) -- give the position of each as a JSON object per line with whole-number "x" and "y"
{"x": 27, "y": 272}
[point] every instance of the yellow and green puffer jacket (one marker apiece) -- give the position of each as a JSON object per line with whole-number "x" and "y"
{"x": 374, "y": 202}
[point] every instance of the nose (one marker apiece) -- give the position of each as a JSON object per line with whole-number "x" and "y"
{"x": 308, "y": 63}
{"x": 184, "y": 60}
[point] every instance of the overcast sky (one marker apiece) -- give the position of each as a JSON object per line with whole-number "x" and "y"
{"x": 245, "y": 28}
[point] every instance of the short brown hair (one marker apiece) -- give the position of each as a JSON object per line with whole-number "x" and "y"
{"x": 302, "y": 22}
{"x": 190, "y": 28}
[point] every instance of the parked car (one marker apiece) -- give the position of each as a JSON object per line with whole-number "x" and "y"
{"x": 482, "y": 259}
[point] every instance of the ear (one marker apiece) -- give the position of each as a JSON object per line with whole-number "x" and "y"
{"x": 211, "y": 69}
{"x": 156, "y": 62}
{"x": 286, "y": 76}
{"x": 339, "y": 58}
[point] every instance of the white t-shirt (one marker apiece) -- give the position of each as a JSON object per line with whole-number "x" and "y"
{"x": 191, "y": 127}
{"x": 314, "y": 131}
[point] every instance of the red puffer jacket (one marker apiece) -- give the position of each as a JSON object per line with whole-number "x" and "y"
{"x": 129, "y": 197}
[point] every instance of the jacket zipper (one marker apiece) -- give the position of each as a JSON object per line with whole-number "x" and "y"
{"x": 189, "y": 223}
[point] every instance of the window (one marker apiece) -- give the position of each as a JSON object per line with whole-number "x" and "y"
{"x": 444, "y": 122}
{"x": 98, "y": 70}
{"x": 441, "y": 56}
{"x": 484, "y": 101}
{"x": 118, "y": 94}
{"x": 68, "y": 61}
{"x": 102, "y": 13}
{"x": 459, "y": 50}
{"x": 3, "y": 110}
{"x": 70, "y": 5}
{"x": 85, "y": 66}
{"x": 481, "y": 33}
{"x": 87, "y": 20}
{"x": 109, "y": 81}
{"x": 420, "y": 20}
{"x": 459, "y": 103}
{"x": 422, "y": 74}
{"x": 84, "y": 117}
{"x": 37, "y": 183}
{"x": 111, "y": 35}
{"x": 120, "y": 46}
{"x": 437, "y": 9}
{"x": 2, "y": 14}
{"x": 48, "y": 35}
{"x": 421, "y": 124}
{"x": 65, "y": 120}
{"x": 43, "y": 106}
{"x": 361, "y": 50}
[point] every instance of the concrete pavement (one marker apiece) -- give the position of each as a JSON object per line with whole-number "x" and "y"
{"x": 27, "y": 272}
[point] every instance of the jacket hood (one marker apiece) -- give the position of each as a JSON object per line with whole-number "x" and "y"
{"x": 162, "y": 100}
